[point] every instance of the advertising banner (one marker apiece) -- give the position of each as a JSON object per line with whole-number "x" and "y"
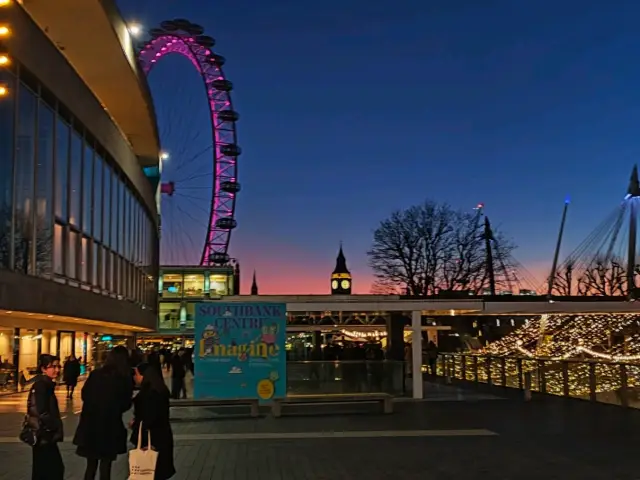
{"x": 240, "y": 350}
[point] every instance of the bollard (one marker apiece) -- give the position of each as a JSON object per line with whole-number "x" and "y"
{"x": 527, "y": 386}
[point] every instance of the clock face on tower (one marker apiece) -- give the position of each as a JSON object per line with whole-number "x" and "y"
{"x": 345, "y": 284}
{"x": 334, "y": 284}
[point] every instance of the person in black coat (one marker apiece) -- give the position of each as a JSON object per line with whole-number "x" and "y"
{"x": 70, "y": 374}
{"x": 43, "y": 422}
{"x": 178, "y": 374}
{"x": 101, "y": 435}
{"x": 151, "y": 409}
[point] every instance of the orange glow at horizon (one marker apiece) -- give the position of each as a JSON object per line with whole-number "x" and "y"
{"x": 281, "y": 278}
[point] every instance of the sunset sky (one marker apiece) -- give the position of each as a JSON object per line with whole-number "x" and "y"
{"x": 352, "y": 109}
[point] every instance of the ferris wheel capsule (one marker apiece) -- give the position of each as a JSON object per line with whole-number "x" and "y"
{"x": 205, "y": 41}
{"x": 216, "y": 59}
{"x": 230, "y": 186}
{"x": 230, "y": 150}
{"x": 218, "y": 258}
{"x": 222, "y": 85}
{"x": 226, "y": 223}
{"x": 228, "y": 116}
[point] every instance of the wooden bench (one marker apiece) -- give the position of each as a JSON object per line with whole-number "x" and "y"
{"x": 384, "y": 399}
{"x": 252, "y": 403}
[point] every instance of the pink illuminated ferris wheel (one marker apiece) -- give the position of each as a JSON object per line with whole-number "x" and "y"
{"x": 198, "y": 188}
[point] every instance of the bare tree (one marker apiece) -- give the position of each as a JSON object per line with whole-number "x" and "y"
{"x": 605, "y": 277}
{"x": 564, "y": 282}
{"x": 432, "y": 247}
{"x": 23, "y": 242}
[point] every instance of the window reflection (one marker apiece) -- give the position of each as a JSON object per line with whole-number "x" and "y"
{"x": 24, "y": 229}
{"x": 72, "y": 259}
{"x": 193, "y": 285}
{"x": 172, "y": 285}
{"x": 62, "y": 169}
{"x": 44, "y": 191}
{"x": 58, "y": 248}
{"x": 97, "y": 197}
{"x": 106, "y": 212}
{"x": 87, "y": 191}
{"x": 75, "y": 178}
{"x": 84, "y": 260}
{"x": 6, "y": 168}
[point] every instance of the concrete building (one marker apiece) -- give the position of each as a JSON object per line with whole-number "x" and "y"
{"x": 78, "y": 216}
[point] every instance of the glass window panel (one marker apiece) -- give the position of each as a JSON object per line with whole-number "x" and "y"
{"x": 168, "y": 316}
{"x": 121, "y": 218}
{"x": 104, "y": 267}
{"x": 97, "y": 197}
{"x": 106, "y": 213}
{"x": 84, "y": 260}
{"x": 111, "y": 269}
{"x": 62, "y": 169}
{"x": 24, "y": 228}
{"x": 115, "y": 188}
{"x": 6, "y": 168}
{"x": 72, "y": 257}
{"x": 75, "y": 178}
{"x": 58, "y": 249}
{"x": 218, "y": 285}
{"x": 95, "y": 264}
{"x": 193, "y": 285}
{"x": 172, "y": 285}
{"x": 44, "y": 190}
{"x": 87, "y": 190}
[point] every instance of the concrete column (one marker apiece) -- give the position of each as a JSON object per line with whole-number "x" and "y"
{"x": 416, "y": 353}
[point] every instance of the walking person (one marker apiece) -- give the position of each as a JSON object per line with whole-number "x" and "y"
{"x": 43, "y": 424}
{"x": 101, "y": 435}
{"x": 70, "y": 374}
{"x": 432, "y": 356}
{"x": 151, "y": 410}
{"x": 178, "y": 373}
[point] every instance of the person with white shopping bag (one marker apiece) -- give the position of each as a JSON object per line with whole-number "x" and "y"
{"x": 151, "y": 430}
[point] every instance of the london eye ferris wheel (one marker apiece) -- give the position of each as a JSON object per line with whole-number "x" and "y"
{"x": 197, "y": 127}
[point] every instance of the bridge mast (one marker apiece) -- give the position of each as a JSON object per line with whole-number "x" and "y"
{"x": 633, "y": 192}
{"x": 488, "y": 236}
{"x": 554, "y": 265}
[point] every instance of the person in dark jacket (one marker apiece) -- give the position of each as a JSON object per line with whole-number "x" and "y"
{"x": 70, "y": 374}
{"x": 43, "y": 416}
{"x": 151, "y": 409}
{"x": 178, "y": 374}
{"x": 101, "y": 435}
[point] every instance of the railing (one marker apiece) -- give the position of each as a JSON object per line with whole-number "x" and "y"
{"x": 322, "y": 377}
{"x": 596, "y": 380}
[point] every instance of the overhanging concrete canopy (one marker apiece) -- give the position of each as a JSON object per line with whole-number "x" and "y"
{"x": 95, "y": 40}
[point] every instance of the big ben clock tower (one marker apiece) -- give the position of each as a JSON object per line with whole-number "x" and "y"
{"x": 341, "y": 277}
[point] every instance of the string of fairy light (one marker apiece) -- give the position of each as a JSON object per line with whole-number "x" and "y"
{"x": 562, "y": 345}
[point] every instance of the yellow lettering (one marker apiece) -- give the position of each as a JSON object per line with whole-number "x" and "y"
{"x": 252, "y": 349}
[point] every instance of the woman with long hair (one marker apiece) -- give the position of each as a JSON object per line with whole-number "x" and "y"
{"x": 101, "y": 435}
{"x": 43, "y": 424}
{"x": 151, "y": 410}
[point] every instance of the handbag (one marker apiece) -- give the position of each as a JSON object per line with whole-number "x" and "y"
{"x": 27, "y": 433}
{"x": 142, "y": 463}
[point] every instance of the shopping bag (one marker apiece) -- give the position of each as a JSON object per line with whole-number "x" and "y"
{"x": 142, "y": 463}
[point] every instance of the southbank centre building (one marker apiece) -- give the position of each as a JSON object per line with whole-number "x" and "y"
{"x": 78, "y": 216}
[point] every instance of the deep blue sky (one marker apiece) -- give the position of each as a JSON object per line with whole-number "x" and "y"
{"x": 351, "y": 109}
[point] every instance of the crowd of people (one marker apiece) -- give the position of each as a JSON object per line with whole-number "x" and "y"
{"x": 101, "y": 434}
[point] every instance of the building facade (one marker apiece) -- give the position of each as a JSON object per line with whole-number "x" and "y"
{"x": 78, "y": 217}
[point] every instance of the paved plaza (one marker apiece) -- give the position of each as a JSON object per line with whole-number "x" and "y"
{"x": 453, "y": 434}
